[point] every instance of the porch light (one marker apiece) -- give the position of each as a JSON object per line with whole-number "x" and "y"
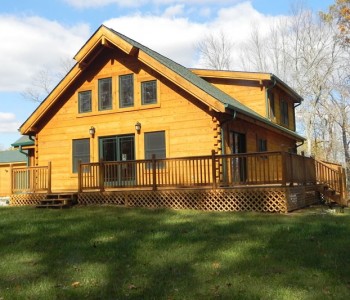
{"x": 138, "y": 126}
{"x": 92, "y": 131}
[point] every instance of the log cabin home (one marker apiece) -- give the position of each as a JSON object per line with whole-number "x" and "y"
{"x": 129, "y": 126}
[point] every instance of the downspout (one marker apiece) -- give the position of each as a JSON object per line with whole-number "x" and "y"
{"x": 267, "y": 95}
{"x": 222, "y": 132}
{"x": 25, "y": 153}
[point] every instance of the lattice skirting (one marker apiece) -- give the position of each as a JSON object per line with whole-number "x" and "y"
{"x": 26, "y": 199}
{"x": 263, "y": 199}
{"x": 271, "y": 199}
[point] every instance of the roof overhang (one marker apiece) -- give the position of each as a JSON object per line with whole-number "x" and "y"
{"x": 254, "y": 76}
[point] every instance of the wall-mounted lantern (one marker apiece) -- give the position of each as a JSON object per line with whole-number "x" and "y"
{"x": 92, "y": 131}
{"x": 138, "y": 127}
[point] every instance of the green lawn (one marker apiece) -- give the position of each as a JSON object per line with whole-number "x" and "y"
{"x": 106, "y": 252}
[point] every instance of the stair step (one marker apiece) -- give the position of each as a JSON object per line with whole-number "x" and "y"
{"x": 58, "y": 201}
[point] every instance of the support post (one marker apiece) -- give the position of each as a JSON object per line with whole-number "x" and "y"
{"x": 11, "y": 179}
{"x": 284, "y": 168}
{"x": 101, "y": 175}
{"x": 213, "y": 167}
{"x": 49, "y": 178}
{"x": 80, "y": 179}
{"x": 154, "y": 173}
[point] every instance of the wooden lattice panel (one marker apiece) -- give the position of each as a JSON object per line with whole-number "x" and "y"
{"x": 117, "y": 198}
{"x": 26, "y": 199}
{"x": 261, "y": 199}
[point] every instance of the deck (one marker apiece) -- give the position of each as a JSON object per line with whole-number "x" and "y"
{"x": 264, "y": 181}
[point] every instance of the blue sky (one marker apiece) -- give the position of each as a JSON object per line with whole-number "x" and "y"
{"x": 37, "y": 35}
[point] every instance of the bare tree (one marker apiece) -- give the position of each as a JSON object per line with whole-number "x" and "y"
{"x": 45, "y": 80}
{"x": 215, "y": 51}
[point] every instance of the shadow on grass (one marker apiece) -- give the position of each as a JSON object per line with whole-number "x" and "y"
{"x": 117, "y": 253}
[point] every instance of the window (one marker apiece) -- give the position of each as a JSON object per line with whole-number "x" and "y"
{"x": 155, "y": 144}
{"x": 284, "y": 113}
{"x": 126, "y": 90}
{"x": 271, "y": 106}
{"x": 262, "y": 145}
{"x": 81, "y": 152}
{"x": 149, "y": 92}
{"x": 84, "y": 100}
{"x": 105, "y": 94}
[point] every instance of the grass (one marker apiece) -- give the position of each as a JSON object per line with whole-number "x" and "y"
{"x": 106, "y": 252}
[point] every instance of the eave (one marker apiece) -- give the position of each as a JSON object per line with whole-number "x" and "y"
{"x": 254, "y": 76}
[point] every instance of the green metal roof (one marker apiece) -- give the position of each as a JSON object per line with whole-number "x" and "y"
{"x": 24, "y": 140}
{"x": 207, "y": 87}
{"x": 10, "y": 156}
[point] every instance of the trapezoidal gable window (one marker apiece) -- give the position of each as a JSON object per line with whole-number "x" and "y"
{"x": 81, "y": 152}
{"x": 126, "y": 90}
{"x": 84, "y": 102}
{"x": 105, "y": 94}
{"x": 149, "y": 92}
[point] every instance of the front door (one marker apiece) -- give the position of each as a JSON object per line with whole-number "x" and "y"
{"x": 238, "y": 165}
{"x": 118, "y": 149}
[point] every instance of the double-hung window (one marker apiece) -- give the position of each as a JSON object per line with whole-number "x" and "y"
{"x": 155, "y": 145}
{"x": 81, "y": 152}
{"x": 126, "y": 90}
{"x": 105, "y": 94}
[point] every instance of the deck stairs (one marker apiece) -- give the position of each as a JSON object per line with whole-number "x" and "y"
{"x": 330, "y": 196}
{"x": 60, "y": 200}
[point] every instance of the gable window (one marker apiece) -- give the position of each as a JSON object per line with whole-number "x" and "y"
{"x": 81, "y": 152}
{"x": 126, "y": 90}
{"x": 149, "y": 92}
{"x": 284, "y": 113}
{"x": 271, "y": 106}
{"x": 84, "y": 101}
{"x": 262, "y": 145}
{"x": 155, "y": 144}
{"x": 105, "y": 94}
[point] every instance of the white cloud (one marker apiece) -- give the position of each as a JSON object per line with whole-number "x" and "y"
{"x": 139, "y": 3}
{"x": 29, "y": 43}
{"x": 176, "y": 37}
{"x": 8, "y": 123}
{"x": 173, "y": 11}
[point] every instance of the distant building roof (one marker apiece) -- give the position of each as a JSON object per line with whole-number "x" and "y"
{"x": 24, "y": 140}
{"x": 11, "y": 156}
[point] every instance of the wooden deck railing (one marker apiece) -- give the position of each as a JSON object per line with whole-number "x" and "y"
{"x": 213, "y": 170}
{"x": 262, "y": 168}
{"x": 31, "y": 179}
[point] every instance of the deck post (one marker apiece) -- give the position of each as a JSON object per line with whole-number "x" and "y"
{"x": 154, "y": 173}
{"x": 80, "y": 180}
{"x": 342, "y": 184}
{"x": 49, "y": 178}
{"x": 11, "y": 179}
{"x": 213, "y": 167}
{"x": 284, "y": 168}
{"x": 101, "y": 168}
